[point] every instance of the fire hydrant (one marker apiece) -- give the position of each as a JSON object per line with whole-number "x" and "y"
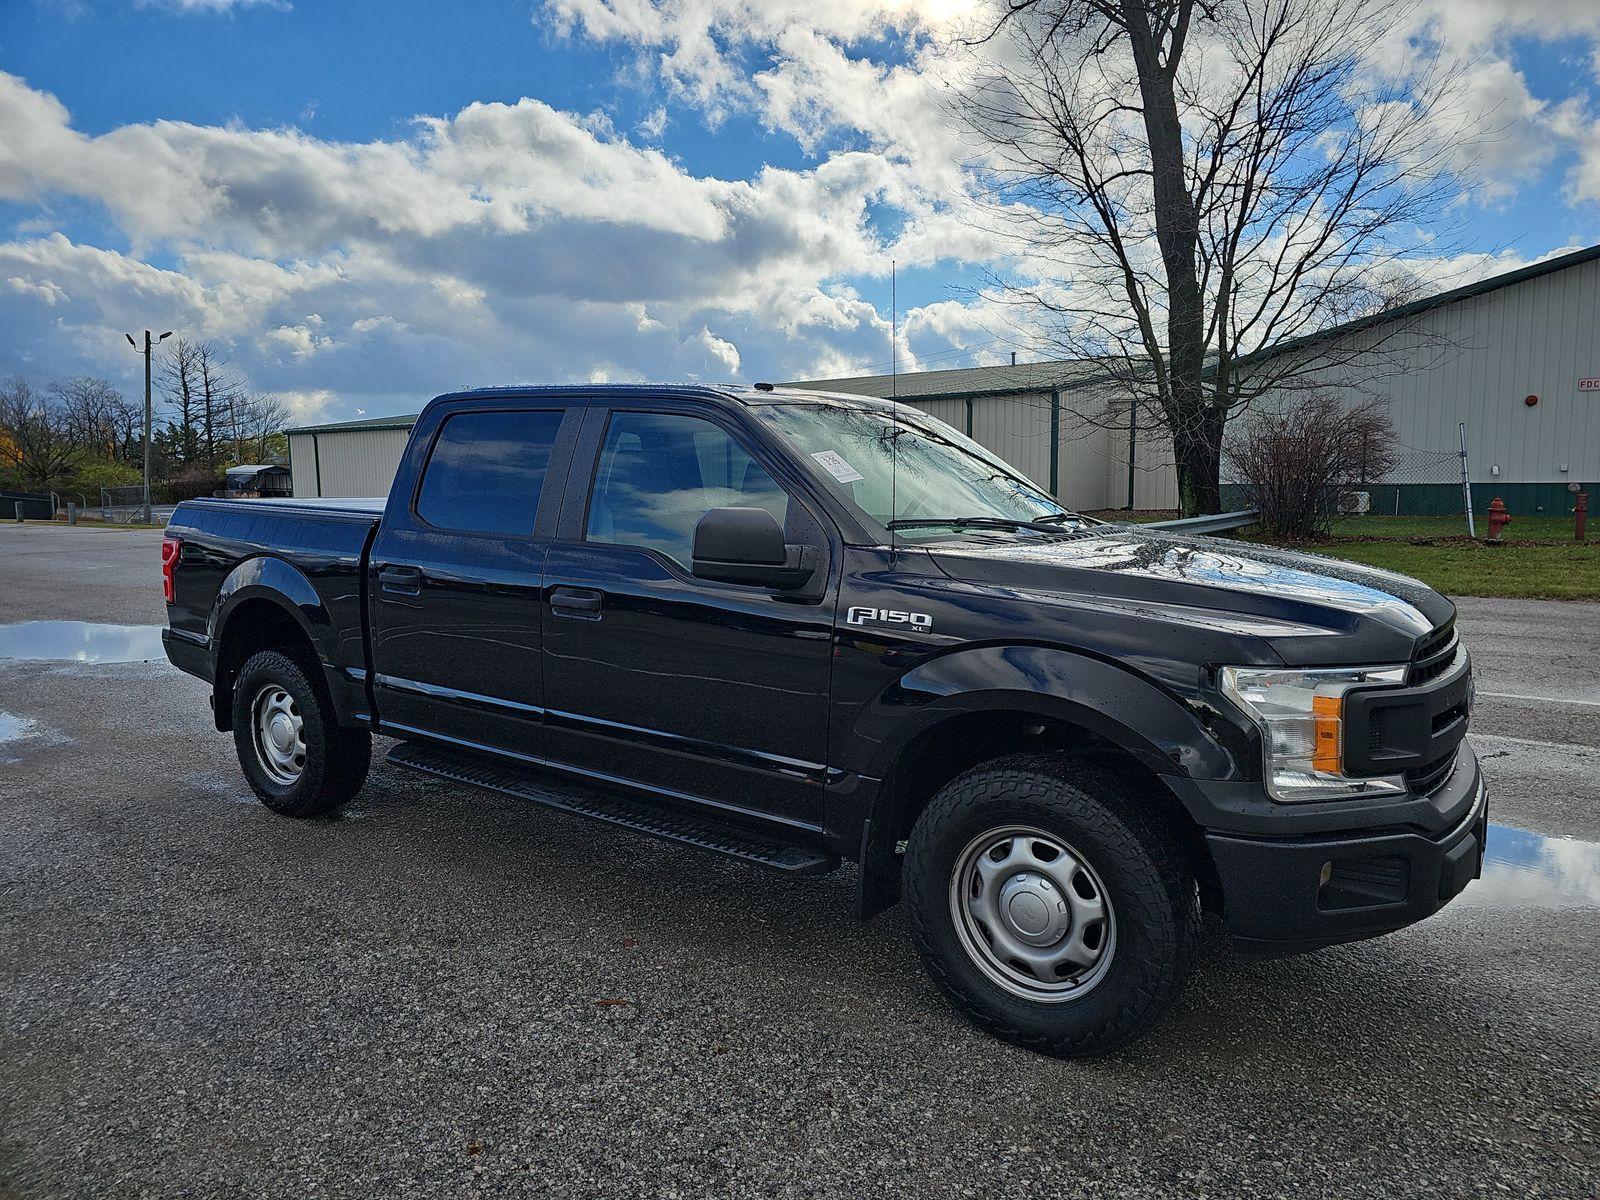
{"x": 1499, "y": 518}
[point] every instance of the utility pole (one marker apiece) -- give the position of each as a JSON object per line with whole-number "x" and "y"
{"x": 147, "y": 349}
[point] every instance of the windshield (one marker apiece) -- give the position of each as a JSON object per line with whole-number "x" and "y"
{"x": 907, "y": 468}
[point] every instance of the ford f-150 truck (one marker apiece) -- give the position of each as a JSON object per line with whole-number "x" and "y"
{"x": 799, "y": 629}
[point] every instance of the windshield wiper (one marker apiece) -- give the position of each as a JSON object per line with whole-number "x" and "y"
{"x": 1067, "y": 515}
{"x": 1047, "y": 524}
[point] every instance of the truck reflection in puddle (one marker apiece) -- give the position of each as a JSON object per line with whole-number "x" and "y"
{"x": 80, "y": 641}
{"x": 1523, "y": 869}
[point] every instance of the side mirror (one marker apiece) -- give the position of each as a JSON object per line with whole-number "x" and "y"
{"x": 745, "y": 545}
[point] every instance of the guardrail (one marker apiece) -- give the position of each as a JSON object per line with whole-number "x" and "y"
{"x": 1211, "y": 523}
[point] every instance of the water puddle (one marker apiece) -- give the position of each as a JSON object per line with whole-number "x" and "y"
{"x": 80, "y": 641}
{"x": 14, "y": 728}
{"x": 15, "y": 731}
{"x": 1523, "y": 869}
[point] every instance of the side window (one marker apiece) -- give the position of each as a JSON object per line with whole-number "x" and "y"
{"x": 659, "y": 473}
{"x": 486, "y": 471}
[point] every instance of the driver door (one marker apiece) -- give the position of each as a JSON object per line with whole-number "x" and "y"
{"x": 716, "y": 692}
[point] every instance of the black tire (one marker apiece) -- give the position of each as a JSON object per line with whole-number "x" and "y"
{"x": 313, "y": 773}
{"x": 1147, "y": 943}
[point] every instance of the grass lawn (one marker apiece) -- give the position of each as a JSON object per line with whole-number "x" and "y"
{"x": 1543, "y": 527}
{"x": 1538, "y": 561}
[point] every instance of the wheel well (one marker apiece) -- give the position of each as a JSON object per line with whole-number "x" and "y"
{"x": 955, "y": 746}
{"x": 254, "y": 626}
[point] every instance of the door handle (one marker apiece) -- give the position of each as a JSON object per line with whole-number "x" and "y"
{"x": 582, "y": 604}
{"x": 406, "y": 581}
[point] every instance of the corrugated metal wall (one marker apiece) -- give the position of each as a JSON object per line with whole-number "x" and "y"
{"x": 1092, "y": 456}
{"x": 1477, "y": 359}
{"x": 346, "y": 462}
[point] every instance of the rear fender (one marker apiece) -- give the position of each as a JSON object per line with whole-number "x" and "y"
{"x": 291, "y": 592}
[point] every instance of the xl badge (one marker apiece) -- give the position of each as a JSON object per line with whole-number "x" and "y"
{"x": 888, "y": 616}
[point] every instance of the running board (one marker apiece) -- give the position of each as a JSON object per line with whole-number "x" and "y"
{"x": 527, "y": 783}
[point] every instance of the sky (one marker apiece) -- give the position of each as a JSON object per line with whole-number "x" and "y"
{"x": 366, "y": 202}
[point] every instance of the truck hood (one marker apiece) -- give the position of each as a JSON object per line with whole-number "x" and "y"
{"x": 1311, "y": 610}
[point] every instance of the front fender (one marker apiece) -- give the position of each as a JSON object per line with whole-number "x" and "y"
{"x": 1147, "y": 721}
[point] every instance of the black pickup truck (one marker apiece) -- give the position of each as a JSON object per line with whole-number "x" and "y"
{"x": 799, "y": 628}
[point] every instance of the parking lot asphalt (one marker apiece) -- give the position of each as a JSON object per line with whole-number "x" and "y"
{"x": 443, "y": 992}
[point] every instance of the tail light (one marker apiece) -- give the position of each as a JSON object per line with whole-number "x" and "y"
{"x": 170, "y": 547}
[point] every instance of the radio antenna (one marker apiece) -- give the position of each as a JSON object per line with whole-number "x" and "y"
{"x": 894, "y": 398}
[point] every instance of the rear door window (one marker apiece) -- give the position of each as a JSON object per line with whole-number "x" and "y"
{"x": 486, "y": 471}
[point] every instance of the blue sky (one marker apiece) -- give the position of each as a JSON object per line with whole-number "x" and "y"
{"x": 364, "y": 203}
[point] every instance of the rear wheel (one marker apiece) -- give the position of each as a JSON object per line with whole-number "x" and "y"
{"x": 1048, "y": 908}
{"x": 299, "y": 760}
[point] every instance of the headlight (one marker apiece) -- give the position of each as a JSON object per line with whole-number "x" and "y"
{"x": 1301, "y": 718}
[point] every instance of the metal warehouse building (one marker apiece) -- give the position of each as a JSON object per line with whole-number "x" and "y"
{"x": 351, "y": 458}
{"x": 1516, "y": 358}
{"x": 1052, "y": 420}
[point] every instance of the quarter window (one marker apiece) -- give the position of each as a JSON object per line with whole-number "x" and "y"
{"x": 486, "y": 471}
{"x": 659, "y": 473}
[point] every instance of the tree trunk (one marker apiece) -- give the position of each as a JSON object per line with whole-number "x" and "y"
{"x": 1178, "y": 236}
{"x": 1197, "y": 451}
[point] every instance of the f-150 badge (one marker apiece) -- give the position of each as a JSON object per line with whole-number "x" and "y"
{"x": 888, "y": 616}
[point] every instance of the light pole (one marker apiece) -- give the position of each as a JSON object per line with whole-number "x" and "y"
{"x": 147, "y": 345}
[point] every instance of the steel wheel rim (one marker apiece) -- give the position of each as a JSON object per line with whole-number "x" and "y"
{"x": 1032, "y": 914}
{"x": 279, "y": 733}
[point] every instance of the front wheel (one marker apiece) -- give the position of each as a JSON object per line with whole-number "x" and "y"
{"x": 1047, "y": 907}
{"x": 299, "y": 760}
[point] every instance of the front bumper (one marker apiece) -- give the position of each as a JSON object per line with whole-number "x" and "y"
{"x": 1284, "y": 896}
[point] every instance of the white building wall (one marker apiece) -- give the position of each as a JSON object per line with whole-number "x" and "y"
{"x": 1476, "y": 360}
{"x": 346, "y": 462}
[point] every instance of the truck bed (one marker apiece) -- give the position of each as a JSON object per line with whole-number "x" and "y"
{"x": 312, "y": 551}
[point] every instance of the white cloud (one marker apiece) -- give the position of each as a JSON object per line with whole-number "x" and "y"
{"x": 504, "y": 242}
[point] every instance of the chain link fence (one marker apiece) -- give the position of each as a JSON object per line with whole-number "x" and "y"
{"x": 122, "y": 505}
{"x": 1422, "y": 483}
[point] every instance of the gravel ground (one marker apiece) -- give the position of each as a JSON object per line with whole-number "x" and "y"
{"x": 445, "y": 993}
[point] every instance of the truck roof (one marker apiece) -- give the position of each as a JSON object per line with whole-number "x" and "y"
{"x": 738, "y": 393}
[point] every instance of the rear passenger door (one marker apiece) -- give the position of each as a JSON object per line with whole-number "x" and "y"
{"x": 715, "y": 692}
{"x": 455, "y": 577}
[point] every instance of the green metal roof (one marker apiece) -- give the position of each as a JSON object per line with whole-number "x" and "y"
{"x": 402, "y": 422}
{"x": 966, "y": 381}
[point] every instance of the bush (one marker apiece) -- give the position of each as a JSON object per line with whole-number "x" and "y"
{"x": 190, "y": 484}
{"x": 1296, "y": 461}
{"x": 90, "y": 478}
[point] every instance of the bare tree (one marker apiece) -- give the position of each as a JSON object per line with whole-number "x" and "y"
{"x": 36, "y": 443}
{"x": 259, "y": 421}
{"x": 1298, "y": 459}
{"x": 201, "y": 391}
{"x": 181, "y": 385}
{"x": 102, "y": 421}
{"x": 1205, "y": 181}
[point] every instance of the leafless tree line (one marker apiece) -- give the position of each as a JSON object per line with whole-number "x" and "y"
{"x": 212, "y": 412}
{"x": 81, "y": 433}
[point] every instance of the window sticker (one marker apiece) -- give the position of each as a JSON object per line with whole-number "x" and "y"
{"x": 834, "y": 464}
